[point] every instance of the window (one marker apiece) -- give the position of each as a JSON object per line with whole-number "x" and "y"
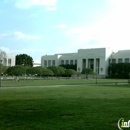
{"x": 119, "y": 60}
{"x": 9, "y": 62}
{"x": 113, "y": 60}
{"x": 67, "y": 62}
{"x": 126, "y": 60}
{"x": 49, "y": 63}
{"x": 71, "y": 62}
{"x": 62, "y": 62}
{"x": 53, "y": 62}
{"x": 45, "y": 63}
{"x": 101, "y": 69}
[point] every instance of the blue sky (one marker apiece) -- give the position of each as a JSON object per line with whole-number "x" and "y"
{"x": 40, "y": 27}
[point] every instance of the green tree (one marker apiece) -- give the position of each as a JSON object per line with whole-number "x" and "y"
{"x": 54, "y": 69}
{"x": 30, "y": 71}
{"x": 70, "y": 72}
{"x": 24, "y": 59}
{"x": 38, "y": 70}
{"x": 3, "y": 69}
{"x": 87, "y": 71}
{"x": 16, "y": 70}
{"x": 61, "y": 70}
{"x": 47, "y": 72}
{"x": 74, "y": 67}
{"x": 119, "y": 70}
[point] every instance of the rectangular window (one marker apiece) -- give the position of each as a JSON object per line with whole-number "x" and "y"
{"x": 53, "y": 62}
{"x": 9, "y": 62}
{"x": 71, "y": 62}
{"x": 45, "y": 63}
{"x": 113, "y": 60}
{"x": 67, "y": 62}
{"x": 49, "y": 63}
{"x": 62, "y": 62}
{"x": 126, "y": 60}
{"x": 119, "y": 60}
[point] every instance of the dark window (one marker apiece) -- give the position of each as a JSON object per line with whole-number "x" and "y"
{"x": 62, "y": 62}
{"x": 119, "y": 60}
{"x": 126, "y": 60}
{"x": 71, "y": 62}
{"x": 113, "y": 60}
{"x": 53, "y": 62}
{"x": 67, "y": 62}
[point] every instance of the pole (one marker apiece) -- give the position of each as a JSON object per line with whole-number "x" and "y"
{"x": 96, "y": 78}
{"x": 96, "y": 74}
{"x": 0, "y": 71}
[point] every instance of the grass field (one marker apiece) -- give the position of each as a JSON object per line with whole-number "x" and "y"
{"x": 44, "y": 107}
{"x": 62, "y": 82}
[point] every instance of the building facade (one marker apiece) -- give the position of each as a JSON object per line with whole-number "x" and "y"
{"x": 96, "y": 58}
{"x": 7, "y": 60}
{"x": 122, "y": 56}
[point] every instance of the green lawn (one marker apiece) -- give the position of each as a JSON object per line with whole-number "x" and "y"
{"x": 61, "y": 82}
{"x": 83, "y": 107}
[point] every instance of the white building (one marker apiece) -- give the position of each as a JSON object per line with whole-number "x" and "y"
{"x": 96, "y": 58}
{"x": 7, "y": 60}
{"x": 122, "y": 56}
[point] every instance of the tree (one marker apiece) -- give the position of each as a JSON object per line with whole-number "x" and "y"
{"x": 38, "y": 70}
{"x": 70, "y": 72}
{"x": 24, "y": 59}
{"x": 54, "y": 69}
{"x": 30, "y": 71}
{"x": 74, "y": 67}
{"x": 119, "y": 70}
{"x": 61, "y": 70}
{"x": 87, "y": 71}
{"x": 4, "y": 69}
{"x": 47, "y": 72}
{"x": 16, "y": 70}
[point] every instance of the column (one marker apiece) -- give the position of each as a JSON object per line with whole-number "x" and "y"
{"x": 94, "y": 65}
{"x": 86, "y": 63}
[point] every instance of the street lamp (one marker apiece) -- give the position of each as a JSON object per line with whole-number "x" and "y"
{"x": 96, "y": 74}
{"x": 0, "y": 72}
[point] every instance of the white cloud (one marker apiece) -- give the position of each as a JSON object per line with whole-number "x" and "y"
{"x": 22, "y": 50}
{"x": 61, "y": 26}
{"x": 49, "y": 4}
{"x": 19, "y": 35}
{"x": 111, "y": 31}
{"x": 59, "y": 50}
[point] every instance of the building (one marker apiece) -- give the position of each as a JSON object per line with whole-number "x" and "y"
{"x": 122, "y": 56}
{"x": 95, "y": 58}
{"x": 7, "y": 60}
